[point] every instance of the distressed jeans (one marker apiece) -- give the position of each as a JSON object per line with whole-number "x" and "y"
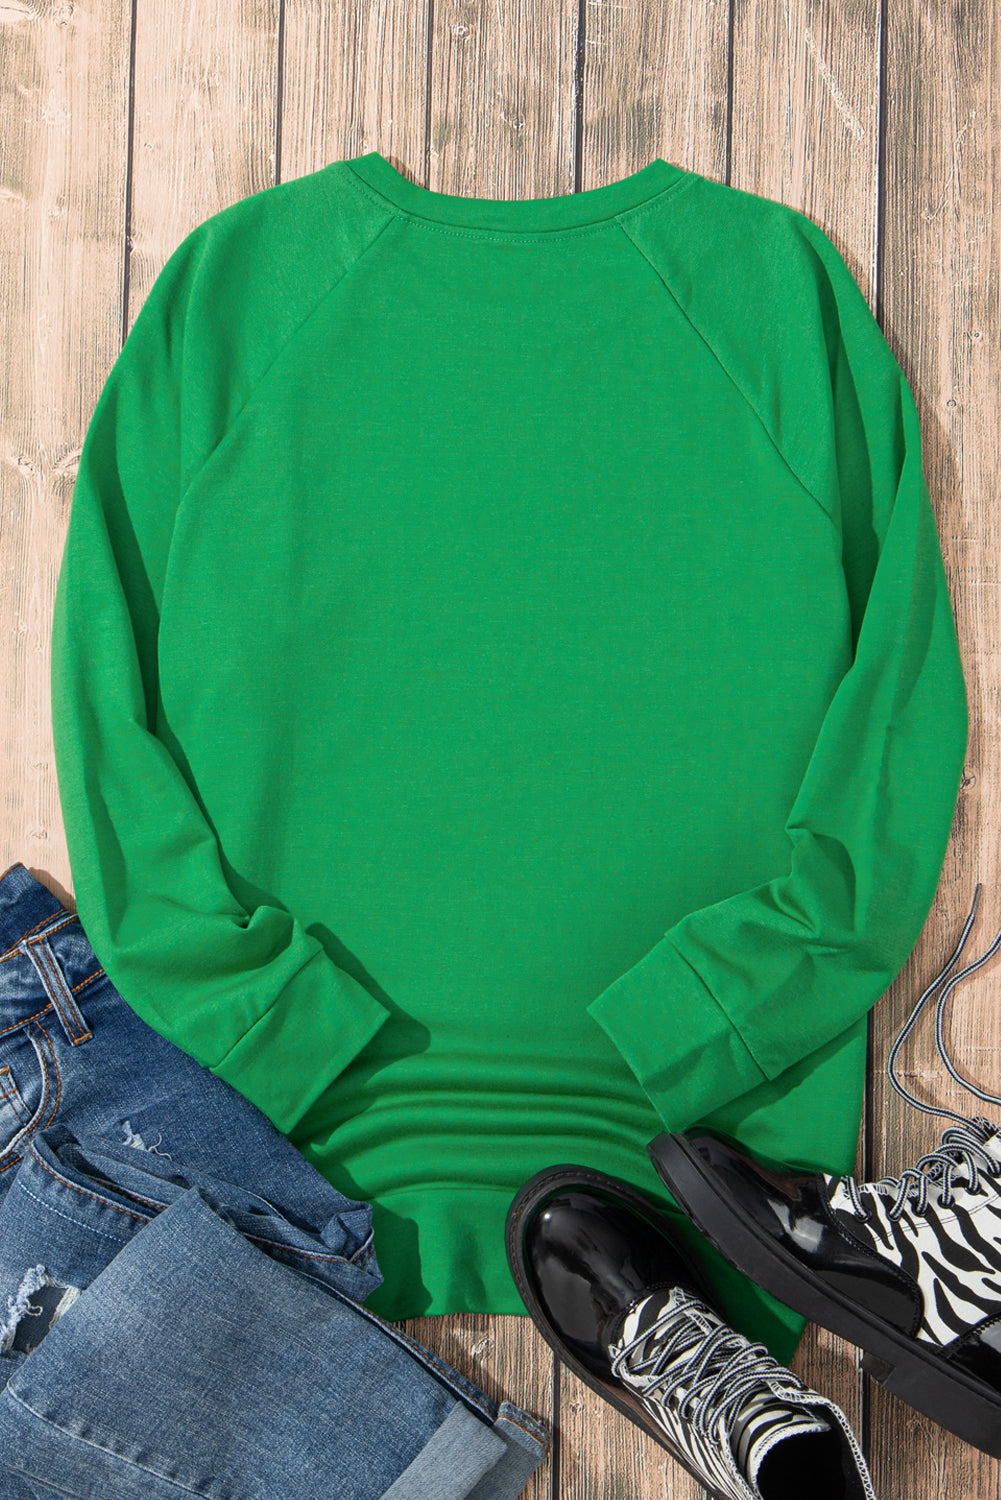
{"x": 180, "y": 1290}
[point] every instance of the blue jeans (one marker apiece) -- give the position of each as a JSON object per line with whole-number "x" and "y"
{"x": 180, "y": 1290}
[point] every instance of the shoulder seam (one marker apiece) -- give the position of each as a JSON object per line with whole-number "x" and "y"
{"x": 368, "y": 195}
{"x": 277, "y": 355}
{"x": 743, "y": 394}
{"x": 652, "y": 205}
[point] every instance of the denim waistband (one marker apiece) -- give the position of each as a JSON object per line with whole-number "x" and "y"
{"x": 25, "y": 903}
{"x": 74, "y": 1052}
{"x": 31, "y": 915}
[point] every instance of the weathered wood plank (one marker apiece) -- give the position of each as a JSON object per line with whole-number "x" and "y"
{"x": 354, "y": 79}
{"x": 501, "y": 93}
{"x": 204, "y": 123}
{"x": 942, "y": 311}
{"x": 62, "y": 230}
{"x": 654, "y": 87}
{"x": 506, "y": 1358}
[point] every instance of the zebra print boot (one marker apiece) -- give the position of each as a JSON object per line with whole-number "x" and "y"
{"x": 611, "y": 1287}
{"x": 906, "y": 1267}
{"x": 750, "y": 1427}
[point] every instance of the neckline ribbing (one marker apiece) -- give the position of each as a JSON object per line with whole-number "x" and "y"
{"x": 568, "y": 211}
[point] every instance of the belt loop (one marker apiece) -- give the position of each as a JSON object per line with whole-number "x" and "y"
{"x": 54, "y": 980}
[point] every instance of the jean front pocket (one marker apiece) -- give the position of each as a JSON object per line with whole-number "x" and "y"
{"x": 28, "y": 1091}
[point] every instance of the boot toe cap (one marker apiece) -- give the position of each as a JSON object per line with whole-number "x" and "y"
{"x": 587, "y": 1252}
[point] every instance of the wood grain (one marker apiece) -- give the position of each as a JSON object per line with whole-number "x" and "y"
{"x": 881, "y": 124}
{"x": 942, "y": 313}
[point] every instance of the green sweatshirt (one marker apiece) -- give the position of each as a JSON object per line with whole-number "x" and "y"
{"x": 506, "y": 697}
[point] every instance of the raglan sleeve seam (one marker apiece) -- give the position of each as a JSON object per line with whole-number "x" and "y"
{"x": 362, "y": 1026}
{"x": 661, "y": 276}
{"x": 255, "y": 989}
{"x": 791, "y": 962}
{"x": 283, "y": 344}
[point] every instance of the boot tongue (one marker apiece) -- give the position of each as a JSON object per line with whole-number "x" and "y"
{"x": 764, "y": 1418}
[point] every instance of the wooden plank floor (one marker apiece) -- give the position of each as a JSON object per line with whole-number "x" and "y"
{"x": 124, "y": 128}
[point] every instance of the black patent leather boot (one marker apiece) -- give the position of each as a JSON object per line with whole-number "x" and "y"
{"x": 612, "y": 1290}
{"x": 908, "y": 1268}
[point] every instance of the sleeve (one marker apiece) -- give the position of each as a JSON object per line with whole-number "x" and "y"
{"x": 736, "y": 992}
{"x": 249, "y": 993}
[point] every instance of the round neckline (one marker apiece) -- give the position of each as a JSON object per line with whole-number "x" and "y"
{"x": 566, "y": 212}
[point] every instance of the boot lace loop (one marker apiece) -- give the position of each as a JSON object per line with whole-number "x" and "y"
{"x": 943, "y": 998}
{"x": 676, "y": 1341}
{"x": 959, "y": 1148}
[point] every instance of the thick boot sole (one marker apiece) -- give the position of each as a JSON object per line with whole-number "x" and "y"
{"x": 916, "y": 1374}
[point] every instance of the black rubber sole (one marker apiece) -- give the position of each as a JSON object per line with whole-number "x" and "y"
{"x": 923, "y": 1379}
{"x": 524, "y": 1203}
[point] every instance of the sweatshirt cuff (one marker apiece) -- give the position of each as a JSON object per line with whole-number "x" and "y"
{"x": 301, "y": 1043}
{"x": 688, "y": 1056}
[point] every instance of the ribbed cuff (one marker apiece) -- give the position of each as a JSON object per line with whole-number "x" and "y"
{"x": 676, "y": 1038}
{"x": 321, "y": 1021}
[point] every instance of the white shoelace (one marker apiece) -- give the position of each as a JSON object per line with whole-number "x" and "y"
{"x": 958, "y": 1152}
{"x": 960, "y": 1148}
{"x": 689, "y": 1353}
{"x": 730, "y": 1393}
